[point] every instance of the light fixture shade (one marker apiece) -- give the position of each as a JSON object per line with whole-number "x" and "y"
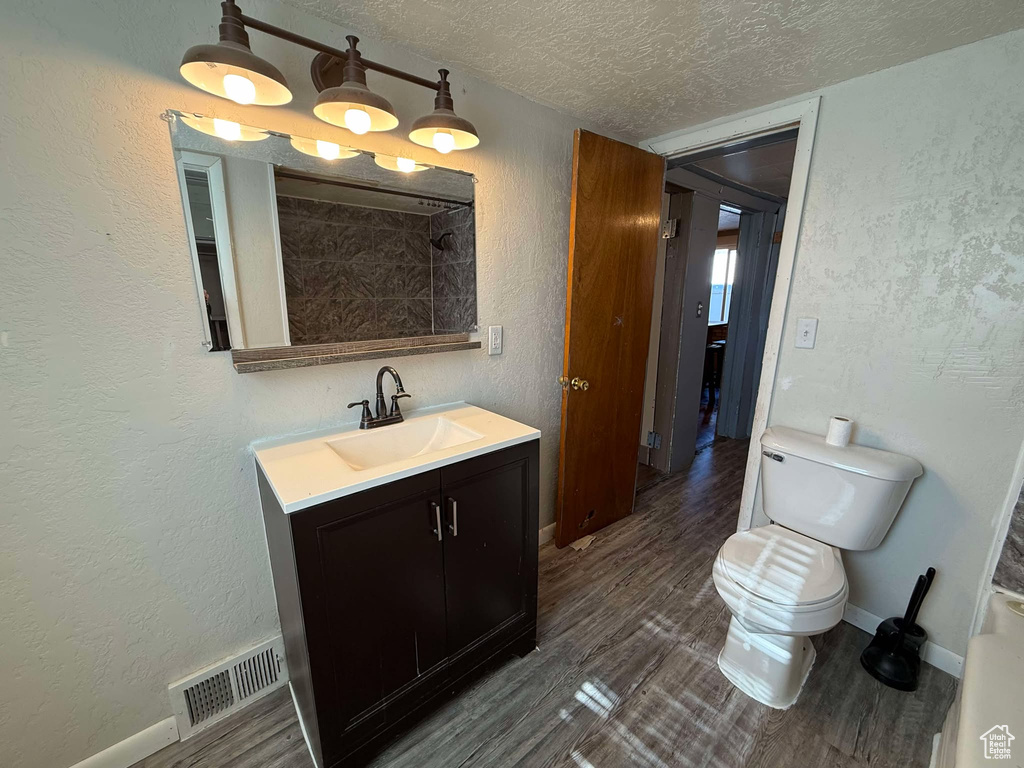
{"x": 462, "y": 130}
{"x": 332, "y": 104}
{"x": 309, "y": 147}
{"x": 391, "y": 163}
{"x": 208, "y": 125}
{"x": 205, "y": 66}
{"x": 443, "y": 118}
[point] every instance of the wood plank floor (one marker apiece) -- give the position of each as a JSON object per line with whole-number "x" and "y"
{"x": 626, "y": 674}
{"x": 646, "y": 476}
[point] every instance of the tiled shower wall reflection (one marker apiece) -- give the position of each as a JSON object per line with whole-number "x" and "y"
{"x": 354, "y": 273}
{"x": 1010, "y": 570}
{"x": 454, "y": 270}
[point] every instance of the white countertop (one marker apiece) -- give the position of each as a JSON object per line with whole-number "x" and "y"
{"x": 304, "y": 470}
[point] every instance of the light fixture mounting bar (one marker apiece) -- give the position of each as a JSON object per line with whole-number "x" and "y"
{"x": 337, "y": 53}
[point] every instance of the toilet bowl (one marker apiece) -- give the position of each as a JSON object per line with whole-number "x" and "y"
{"x": 785, "y": 582}
{"x": 781, "y": 587}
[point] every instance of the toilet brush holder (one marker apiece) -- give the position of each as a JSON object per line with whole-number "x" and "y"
{"x": 914, "y": 637}
{"x": 894, "y": 655}
{"x": 892, "y": 664}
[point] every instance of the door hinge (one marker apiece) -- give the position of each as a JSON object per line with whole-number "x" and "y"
{"x": 670, "y": 228}
{"x": 653, "y": 440}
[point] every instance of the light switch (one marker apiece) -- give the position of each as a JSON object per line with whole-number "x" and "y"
{"x": 806, "y": 330}
{"x": 494, "y": 340}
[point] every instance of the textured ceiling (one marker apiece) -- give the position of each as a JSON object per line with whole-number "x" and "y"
{"x": 639, "y": 69}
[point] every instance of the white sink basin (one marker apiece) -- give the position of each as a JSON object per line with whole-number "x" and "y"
{"x": 399, "y": 442}
{"x": 319, "y": 467}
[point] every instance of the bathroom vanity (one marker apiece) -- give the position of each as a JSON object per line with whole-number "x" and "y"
{"x": 405, "y": 564}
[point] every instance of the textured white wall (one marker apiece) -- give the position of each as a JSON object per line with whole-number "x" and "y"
{"x": 912, "y": 256}
{"x": 132, "y": 550}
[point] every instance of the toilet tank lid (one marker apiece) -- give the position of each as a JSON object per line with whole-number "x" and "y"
{"x": 859, "y": 459}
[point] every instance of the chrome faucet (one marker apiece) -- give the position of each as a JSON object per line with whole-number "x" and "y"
{"x": 384, "y": 416}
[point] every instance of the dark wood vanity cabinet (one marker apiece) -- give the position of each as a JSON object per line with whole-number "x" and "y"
{"x": 385, "y": 614}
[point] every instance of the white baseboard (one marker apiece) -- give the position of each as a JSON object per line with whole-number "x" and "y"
{"x": 126, "y": 753}
{"x": 933, "y": 762}
{"x": 302, "y": 726}
{"x": 547, "y": 533}
{"x": 936, "y": 655}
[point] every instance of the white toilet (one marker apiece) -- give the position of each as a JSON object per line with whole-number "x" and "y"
{"x": 785, "y": 582}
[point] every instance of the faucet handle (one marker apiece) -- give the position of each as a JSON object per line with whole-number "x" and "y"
{"x": 394, "y": 402}
{"x": 366, "y": 417}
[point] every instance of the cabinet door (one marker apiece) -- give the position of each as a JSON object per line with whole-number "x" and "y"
{"x": 372, "y": 582}
{"x": 489, "y": 558}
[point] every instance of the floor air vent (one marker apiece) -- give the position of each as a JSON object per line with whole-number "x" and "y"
{"x": 205, "y": 697}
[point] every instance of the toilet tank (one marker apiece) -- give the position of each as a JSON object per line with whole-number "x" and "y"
{"x": 846, "y": 497}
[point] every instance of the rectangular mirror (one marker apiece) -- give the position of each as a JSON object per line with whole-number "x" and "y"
{"x": 293, "y": 249}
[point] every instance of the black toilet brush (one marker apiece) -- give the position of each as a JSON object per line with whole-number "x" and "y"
{"x": 894, "y": 655}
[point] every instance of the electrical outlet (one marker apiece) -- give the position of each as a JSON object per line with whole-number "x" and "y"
{"x": 494, "y": 340}
{"x": 806, "y": 330}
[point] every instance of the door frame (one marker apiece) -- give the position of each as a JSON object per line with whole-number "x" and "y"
{"x": 687, "y": 282}
{"x": 213, "y": 167}
{"x": 718, "y": 133}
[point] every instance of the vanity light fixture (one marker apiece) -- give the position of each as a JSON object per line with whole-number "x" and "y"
{"x": 352, "y": 105}
{"x": 442, "y": 129}
{"x": 326, "y": 150}
{"x": 402, "y": 164}
{"x": 223, "y": 129}
{"x": 231, "y": 70}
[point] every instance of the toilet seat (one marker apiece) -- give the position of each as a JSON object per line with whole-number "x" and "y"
{"x": 784, "y": 567}
{"x": 777, "y": 581}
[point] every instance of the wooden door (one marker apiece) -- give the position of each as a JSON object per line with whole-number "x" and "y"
{"x": 490, "y": 550}
{"x": 371, "y": 574}
{"x": 614, "y": 226}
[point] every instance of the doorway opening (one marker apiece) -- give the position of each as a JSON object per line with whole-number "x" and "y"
{"x": 205, "y": 240}
{"x": 716, "y": 275}
{"x": 723, "y": 277}
{"x": 621, "y": 281}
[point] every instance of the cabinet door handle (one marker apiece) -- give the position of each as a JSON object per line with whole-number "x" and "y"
{"x": 453, "y": 526}
{"x": 437, "y": 519}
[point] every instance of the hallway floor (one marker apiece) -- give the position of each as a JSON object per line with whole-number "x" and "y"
{"x": 626, "y": 674}
{"x": 707, "y": 422}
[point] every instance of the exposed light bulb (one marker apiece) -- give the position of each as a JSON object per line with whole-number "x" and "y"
{"x": 239, "y": 89}
{"x": 227, "y": 130}
{"x": 357, "y": 120}
{"x": 405, "y": 165}
{"x": 444, "y": 142}
{"x": 328, "y": 150}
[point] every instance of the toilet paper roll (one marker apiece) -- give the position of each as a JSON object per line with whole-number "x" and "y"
{"x": 839, "y": 429}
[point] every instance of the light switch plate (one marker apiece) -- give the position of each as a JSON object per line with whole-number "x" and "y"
{"x": 494, "y": 340}
{"x": 806, "y": 330}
